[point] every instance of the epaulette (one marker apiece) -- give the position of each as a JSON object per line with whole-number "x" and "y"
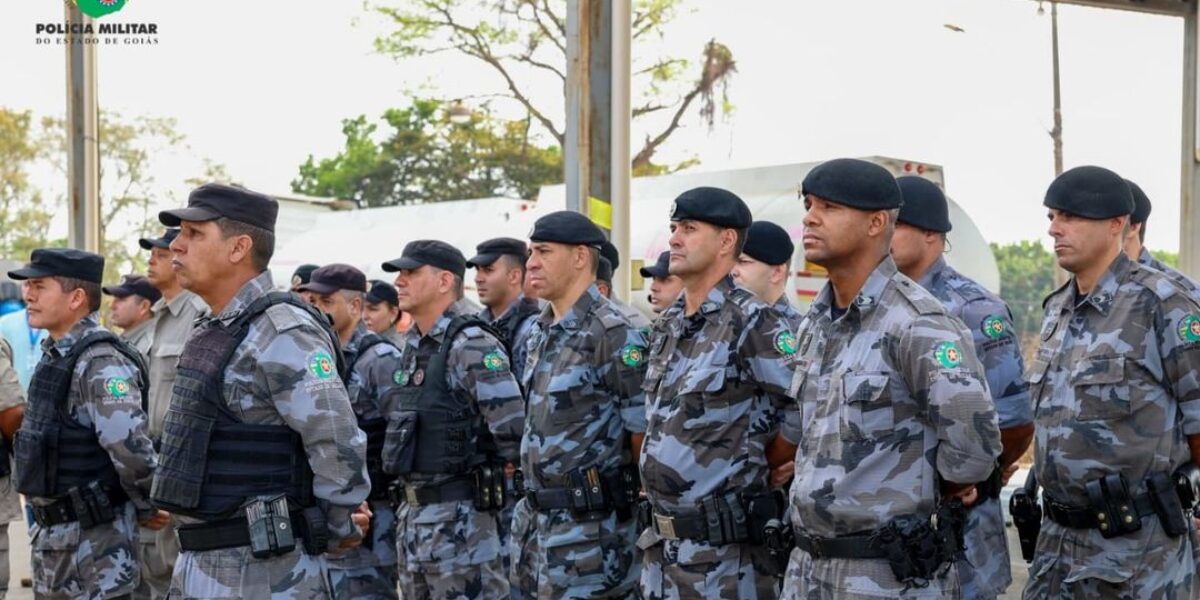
{"x": 284, "y": 317}
{"x": 918, "y": 297}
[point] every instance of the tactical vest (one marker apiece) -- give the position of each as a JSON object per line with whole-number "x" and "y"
{"x": 449, "y": 437}
{"x": 509, "y": 324}
{"x": 210, "y": 461}
{"x": 54, "y": 453}
{"x": 376, "y": 428}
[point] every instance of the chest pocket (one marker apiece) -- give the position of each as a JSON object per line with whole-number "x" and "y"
{"x": 1101, "y": 390}
{"x": 702, "y": 396}
{"x": 867, "y": 411}
{"x": 573, "y": 400}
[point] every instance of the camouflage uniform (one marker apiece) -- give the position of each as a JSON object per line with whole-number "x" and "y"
{"x": 517, "y": 345}
{"x": 893, "y": 400}
{"x": 101, "y": 562}
{"x": 583, "y": 381}
{"x": 788, "y": 312}
{"x": 716, "y": 397}
{"x": 11, "y": 396}
{"x": 987, "y": 571}
{"x": 450, "y": 549}
{"x": 1184, "y": 281}
{"x": 1116, "y": 390}
{"x": 635, "y": 317}
{"x": 267, "y": 382}
{"x": 362, "y": 572}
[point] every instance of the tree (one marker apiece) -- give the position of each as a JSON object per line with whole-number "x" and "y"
{"x": 25, "y": 213}
{"x": 1166, "y": 257}
{"x": 1026, "y": 278}
{"x": 426, "y": 158}
{"x": 521, "y": 40}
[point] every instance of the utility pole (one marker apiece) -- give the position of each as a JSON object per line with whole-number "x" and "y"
{"x": 596, "y": 157}
{"x": 83, "y": 144}
{"x": 1060, "y": 275}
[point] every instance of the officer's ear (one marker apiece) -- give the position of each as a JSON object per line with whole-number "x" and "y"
{"x": 878, "y": 222}
{"x": 240, "y": 248}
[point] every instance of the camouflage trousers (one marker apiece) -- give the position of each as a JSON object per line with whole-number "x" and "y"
{"x": 854, "y": 579}
{"x": 555, "y": 556}
{"x": 71, "y": 563}
{"x": 685, "y": 569}
{"x": 369, "y": 573}
{"x": 157, "y": 551}
{"x": 986, "y": 570}
{"x": 449, "y": 550}
{"x": 234, "y": 574}
{"x": 1078, "y": 564}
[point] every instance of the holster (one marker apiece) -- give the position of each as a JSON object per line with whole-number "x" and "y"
{"x": 1166, "y": 503}
{"x": 316, "y": 539}
{"x": 1113, "y": 505}
{"x": 1187, "y": 485}
{"x": 917, "y": 549}
{"x": 1027, "y": 516}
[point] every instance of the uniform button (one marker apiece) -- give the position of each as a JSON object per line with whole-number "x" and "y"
{"x": 1100, "y": 516}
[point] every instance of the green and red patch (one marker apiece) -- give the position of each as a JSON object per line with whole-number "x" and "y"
{"x": 117, "y": 387}
{"x": 494, "y": 361}
{"x": 321, "y": 364}
{"x": 994, "y": 327}
{"x": 785, "y": 343}
{"x": 948, "y": 354}
{"x": 633, "y": 355}
{"x": 1189, "y": 329}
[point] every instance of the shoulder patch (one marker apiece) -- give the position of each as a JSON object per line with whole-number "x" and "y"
{"x": 920, "y": 299}
{"x": 993, "y": 326}
{"x": 284, "y": 317}
{"x": 321, "y": 364}
{"x": 117, "y": 387}
{"x": 1189, "y": 328}
{"x": 786, "y": 343}
{"x": 948, "y": 354}
{"x": 632, "y": 355}
{"x": 494, "y": 361}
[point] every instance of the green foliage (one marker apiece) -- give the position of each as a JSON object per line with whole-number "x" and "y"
{"x": 522, "y": 41}
{"x": 1026, "y": 278}
{"x": 1166, "y": 257}
{"x": 25, "y": 213}
{"x": 426, "y": 158}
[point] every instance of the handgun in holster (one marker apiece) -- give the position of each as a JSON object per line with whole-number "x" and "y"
{"x": 1026, "y": 514}
{"x": 270, "y": 525}
{"x": 1110, "y": 500}
{"x": 771, "y": 531}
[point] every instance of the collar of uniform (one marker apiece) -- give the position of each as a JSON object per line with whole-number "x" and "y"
{"x": 873, "y": 288}
{"x": 129, "y": 333}
{"x": 249, "y": 292}
{"x": 486, "y": 313}
{"x": 717, "y": 295}
{"x": 360, "y": 331}
{"x": 175, "y": 306}
{"x": 439, "y": 327}
{"x": 935, "y": 272}
{"x": 1106, "y": 289}
{"x": 76, "y": 333}
{"x": 578, "y": 311}
{"x": 1145, "y": 257}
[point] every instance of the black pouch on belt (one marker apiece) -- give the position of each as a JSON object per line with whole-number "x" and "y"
{"x": 1166, "y": 503}
{"x": 1110, "y": 500}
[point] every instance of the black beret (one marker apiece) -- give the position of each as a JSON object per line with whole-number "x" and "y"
{"x": 62, "y": 262}
{"x": 335, "y": 277}
{"x": 212, "y": 201}
{"x": 133, "y": 285}
{"x": 768, "y": 243}
{"x": 661, "y": 267}
{"x": 610, "y": 252}
{"x": 435, "y": 253}
{"x": 1141, "y": 204}
{"x": 567, "y": 227}
{"x": 382, "y": 291}
{"x": 604, "y": 270}
{"x": 854, "y": 183}
{"x": 1090, "y": 192}
{"x": 487, "y": 252}
{"x": 302, "y": 275}
{"x": 715, "y": 206}
{"x": 163, "y": 242}
{"x": 925, "y": 205}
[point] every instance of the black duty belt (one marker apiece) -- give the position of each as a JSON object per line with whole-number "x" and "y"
{"x": 227, "y": 533}
{"x": 62, "y": 510}
{"x": 858, "y": 546}
{"x": 451, "y": 491}
{"x": 1077, "y": 517}
{"x": 671, "y": 527}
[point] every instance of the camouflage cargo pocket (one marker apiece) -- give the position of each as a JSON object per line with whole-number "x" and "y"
{"x": 573, "y": 402}
{"x": 574, "y": 553}
{"x": 867, "y": 406}
{"x": 450, "y": 536}
{"x": 703, "y": 404}
{"x": 1101, "y": 389}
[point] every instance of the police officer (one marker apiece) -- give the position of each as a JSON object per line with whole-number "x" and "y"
{"x": 82, "y": 456}
{"x": 1117, "y": 405}
{"x": 257, "y": 386}
{"x": 374, "y": 373}
{"x": 718, "y": 415}
{"x": 174, "y": 314}
{"x": 898, "y": 426}
{"x": 499, "y": 277}
{"x": 917, "y": 247}
{"x": 764, "y": 266}
{"x": 573, "y": 533}
{"x": 301, "y": 276}
{"x": 664, "y": 287}
{"x": 131, "y": 310}
{"x": 609, "y": 252}
{"x": 382, "y": 313}
{"x": 452, "y": 428}
{"x": 1135, "y": 240}
{"x": 12, "y": 405}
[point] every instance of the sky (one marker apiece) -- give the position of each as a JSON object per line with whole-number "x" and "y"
{"x": 259, "y": 86}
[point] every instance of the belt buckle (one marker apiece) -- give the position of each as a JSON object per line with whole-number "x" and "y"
{"x": 665, "y": 526}
{"x": 410, "y": 494}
